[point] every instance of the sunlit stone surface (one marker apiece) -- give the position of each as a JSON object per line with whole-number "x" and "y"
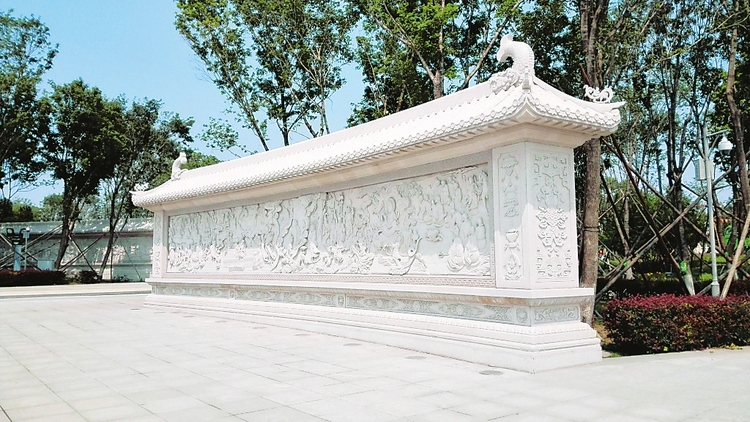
{"x": 447, "y": 228}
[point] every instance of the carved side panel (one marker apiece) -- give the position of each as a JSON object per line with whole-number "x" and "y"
{"x": 156, "y": 257}
{"x": 552, "y": 197}
{"x": 437, "y": 224}
{"x": 510, "y": 202}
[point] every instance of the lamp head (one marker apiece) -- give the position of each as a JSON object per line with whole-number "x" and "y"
{"x": 724, "y": 145}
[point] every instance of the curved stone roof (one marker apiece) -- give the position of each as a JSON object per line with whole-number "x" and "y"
{"x": 509, "y": 98}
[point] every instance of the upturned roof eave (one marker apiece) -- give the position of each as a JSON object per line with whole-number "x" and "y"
{"x": 453, "y": 118}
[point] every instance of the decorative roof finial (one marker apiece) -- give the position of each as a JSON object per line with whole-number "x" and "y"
{"x": 599, "y": 96}
{"x": 177, "y": 166}
{"x": 522, "y": 54}
{"x": 522, "y": 70}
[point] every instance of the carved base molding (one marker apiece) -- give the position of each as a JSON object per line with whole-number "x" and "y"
{"x": 521, "y": 330}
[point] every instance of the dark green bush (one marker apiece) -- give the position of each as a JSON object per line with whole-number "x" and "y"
{"x": 661, "y": 286}
{"x": 87, "y": 277}
{"x": 31, "y": 278}
{"x": 669, "y": 323}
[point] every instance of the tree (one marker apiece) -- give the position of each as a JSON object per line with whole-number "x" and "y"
{"x": 607, "y": 34}
{"x": 392, "y": 81}
{"x": 51, "y": 209}
{"x": 737, "y": 93}
{"x": 277, "y": 61}
{"x": 150, "y": 141}
{"x": 219, "y": 134}
{"x": 6, "y": 210}
{"x": 25, "y": 54}
{"x": 443, "y": 46}
{"x": 82, "y": 147}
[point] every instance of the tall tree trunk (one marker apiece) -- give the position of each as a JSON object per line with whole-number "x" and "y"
{"x": 739, "y": 149}
{"x": 592, "y": 14}
{"x": 68, "y": 224}
{"x": 590, "y": 236}
{"x": 115, "y": 214}
{"x": 739, "y": 146}
{"x": 626, "y": 222}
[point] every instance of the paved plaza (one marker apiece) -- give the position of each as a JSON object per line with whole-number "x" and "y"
{"x": 106, "y": 358}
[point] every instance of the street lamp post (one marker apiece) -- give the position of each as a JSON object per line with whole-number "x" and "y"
{"x": 26, "y": 232}
{"x": 723, "y": 146}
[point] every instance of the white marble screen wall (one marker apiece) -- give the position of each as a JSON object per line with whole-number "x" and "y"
{"x": 431, "y": 225}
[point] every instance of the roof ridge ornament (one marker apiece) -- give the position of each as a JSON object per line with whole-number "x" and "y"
{"x": 177, "y": 169}
{"x": 599, "y": 96}
{"x": 139, "y": 188}
{"x": 522, "y": 70}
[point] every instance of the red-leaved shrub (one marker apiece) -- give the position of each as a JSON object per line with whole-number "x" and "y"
{"x": 668, "y": 323}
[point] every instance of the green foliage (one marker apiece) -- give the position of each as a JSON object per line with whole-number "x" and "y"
{"x": 24, "y": 212}
{"x": 15, "y": 212}
{"x": 549, "y": 27}
{"x": 277, "y": 61}
{"x": 654, "y": 284}
{"x": 392, "y": 81}
{"x": 197, "y": 160}
{"x": 6, "y": 210}
{"x": 638, "y": 224}
{"x": 52, "y": 209}
{"x": 151, "y": 139}
{"x": 83, "y": 146}
{"x": 87, "y": 277}
{"x": 25, "y": 54}
{"x": 669, "y": 323}
{"x": 413, "y": 52}
{"x": 85, "y": 141}
{"x": 219, "y": 134}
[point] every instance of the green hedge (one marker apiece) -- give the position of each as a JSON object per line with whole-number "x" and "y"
{"x": 673, "y": 286}
{"x": 31, "y": 278}
{"x": 669, "y": 323}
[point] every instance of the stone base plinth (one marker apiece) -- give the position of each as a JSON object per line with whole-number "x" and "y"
{"x": 529, "y": 331}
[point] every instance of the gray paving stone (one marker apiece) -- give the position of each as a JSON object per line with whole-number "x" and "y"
{"x": 44, "y": 410}
{"x": 114, "y": 412}
{"x": 109, "y": 358}
{"x": 279, "y": 414}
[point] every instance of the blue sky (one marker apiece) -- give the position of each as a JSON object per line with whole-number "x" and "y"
{"x": 131, "y": 48}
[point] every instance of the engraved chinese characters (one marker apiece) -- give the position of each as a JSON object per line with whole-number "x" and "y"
{"x": 535, "y": 216}
{"x": 511, "y": 194}
{"x": 437, "y": 224}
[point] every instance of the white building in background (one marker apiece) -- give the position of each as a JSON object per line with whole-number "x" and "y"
{"x": 130, "y": 258}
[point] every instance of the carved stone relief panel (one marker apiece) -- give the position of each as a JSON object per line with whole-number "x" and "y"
{"x": 554, "y": 221}
{"x": 437, "y": 224}
{"x": 506, "y": 313}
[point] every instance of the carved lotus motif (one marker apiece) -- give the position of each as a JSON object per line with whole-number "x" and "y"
{"x": 468, "y": 257}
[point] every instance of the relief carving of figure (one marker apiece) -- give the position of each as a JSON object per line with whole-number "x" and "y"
{"x": 426, "y": 225}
